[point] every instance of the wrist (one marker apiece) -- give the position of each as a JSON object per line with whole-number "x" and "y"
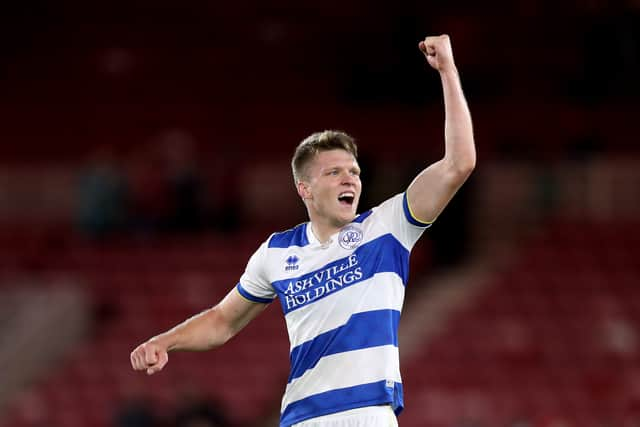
{"x": 163, "y": 341}
{"x": 449, "y": 71}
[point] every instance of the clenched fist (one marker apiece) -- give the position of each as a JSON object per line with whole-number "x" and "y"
{"x": 149, "y": 356}
{"x": 437, "y": 50}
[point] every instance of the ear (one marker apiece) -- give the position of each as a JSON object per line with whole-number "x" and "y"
{"x": 303, "y": 190}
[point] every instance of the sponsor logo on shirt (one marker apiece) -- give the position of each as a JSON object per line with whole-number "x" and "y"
{"x": 323, "y": 282}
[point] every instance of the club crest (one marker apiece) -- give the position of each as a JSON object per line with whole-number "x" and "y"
{"x": 350, "y": 236}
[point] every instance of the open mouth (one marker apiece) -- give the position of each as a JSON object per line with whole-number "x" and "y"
{"x": 346, "y": 198}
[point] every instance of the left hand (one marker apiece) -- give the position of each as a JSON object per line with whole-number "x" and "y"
{"x": 437, "y": 50}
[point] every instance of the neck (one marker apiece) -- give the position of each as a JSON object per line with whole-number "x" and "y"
{"x": 323, "y": 232}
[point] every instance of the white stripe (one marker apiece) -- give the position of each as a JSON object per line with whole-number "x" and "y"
{"x": 343, "y": 370}
{"x": 383, "y": 291}
{"x": 368, "y": 416}
{"x": 313, "y": 257}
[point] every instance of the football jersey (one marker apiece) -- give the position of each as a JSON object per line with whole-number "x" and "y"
{"x": 342, "y": 301}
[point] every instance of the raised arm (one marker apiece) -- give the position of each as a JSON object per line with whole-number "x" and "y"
{"x": 434, "y": 187}
{"x": 207, "y": 330}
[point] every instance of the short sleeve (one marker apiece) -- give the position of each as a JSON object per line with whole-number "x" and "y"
{"x": 254, "y": 284}
{"x": 396, "y": 214}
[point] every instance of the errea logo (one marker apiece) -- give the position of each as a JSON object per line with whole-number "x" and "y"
{"x": 291, "y": 263}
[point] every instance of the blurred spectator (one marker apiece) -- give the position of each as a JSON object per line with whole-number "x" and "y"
{"x": 183, "y": 182}
{"x": 452, "y": 229}
{"x": 224, "y": 206}
{"x": 169, "y": 188}
{"x": 194, "y": 410}
{"x": 102, "y": 195}
{"x": 148, "y": 201}
{"x": 135, "y": 413}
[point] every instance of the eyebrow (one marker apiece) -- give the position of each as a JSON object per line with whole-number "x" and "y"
{"x": 351, "y": 168}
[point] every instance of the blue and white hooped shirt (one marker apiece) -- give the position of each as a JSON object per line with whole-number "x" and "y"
{"x": 342, "y": 303}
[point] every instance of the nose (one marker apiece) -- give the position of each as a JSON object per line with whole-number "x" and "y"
{"x": 348, "y": 178}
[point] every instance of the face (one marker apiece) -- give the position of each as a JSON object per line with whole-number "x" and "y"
{"x": 332, "y": 187}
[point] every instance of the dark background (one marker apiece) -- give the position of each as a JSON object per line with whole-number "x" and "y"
{"x": 144, "y": 155}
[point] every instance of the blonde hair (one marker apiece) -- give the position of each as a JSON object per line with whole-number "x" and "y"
{"x": 317, "y": 142}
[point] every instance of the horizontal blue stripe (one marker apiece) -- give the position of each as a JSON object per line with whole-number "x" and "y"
{"x": 343, "y": 399}
{"x": 411, "y": 218}
{"x": 360, "y": 218}
{"x": 384, "y": 254}
{"x": 296, "y": 236}
{"x": 250, "y": 297}
{"x": 363, "y": 330}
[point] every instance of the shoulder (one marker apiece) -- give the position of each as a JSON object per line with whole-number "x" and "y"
{"x": 388, "y": 208}
{"x": 296, "y": 236}
{"x": 397, "y": 208}
{"x": 378, "y": 212}
{"x": 363, "y": 216}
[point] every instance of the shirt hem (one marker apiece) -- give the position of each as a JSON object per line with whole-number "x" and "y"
{"x": 337, "y": 409}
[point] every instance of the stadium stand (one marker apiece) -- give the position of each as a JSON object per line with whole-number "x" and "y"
{"x": 135, "y": 291}
{"x": 555, "y": 336}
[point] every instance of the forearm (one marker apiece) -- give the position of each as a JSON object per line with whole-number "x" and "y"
{"x": 203, "y": 331}
{"x": 213, "y": 327}
{"x": 434, "y": 187}
{"x": 460, "y": 151}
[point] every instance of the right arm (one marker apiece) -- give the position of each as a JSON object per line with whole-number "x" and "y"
{"x": 207, "y": 330}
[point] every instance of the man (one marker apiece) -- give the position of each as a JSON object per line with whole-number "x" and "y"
{"x": 340, "y": 277}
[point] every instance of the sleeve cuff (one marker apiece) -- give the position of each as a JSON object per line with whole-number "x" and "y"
{"x": 410, "y": 216}
{"x": 246, "y": 295}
